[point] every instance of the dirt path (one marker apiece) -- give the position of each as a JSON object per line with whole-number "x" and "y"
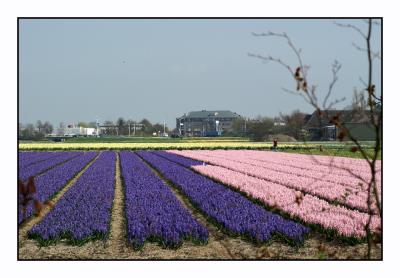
{"x": 117, "y": 240}
{"x": 217, "y": 241}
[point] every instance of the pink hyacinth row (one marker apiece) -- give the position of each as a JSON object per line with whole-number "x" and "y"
{"x": 340, "y": 190}
{"x": 285, "y": 166}
{"x": 332, "y": 164}
{"x": 355, "y": 189}
{"x": 315, "y": 166}
{"x": 306, "y": 207}
{"x": 321, "y": 158}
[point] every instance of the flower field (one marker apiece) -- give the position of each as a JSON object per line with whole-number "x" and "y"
{"x": 50, "y": 161}
{"x": 28, "y": 158}
{"x": 84, "y": 210}
{"x": 253, "y": 195}
{"x": 322, "y": 181}
{"x": 229, "y": 209}
{"x": 53, "y": 180}
{"x": 152, "y": 210}
{"x": 337, "y": 203}
{"x": 144, "y": 146}
{"x": 176, "y": 145}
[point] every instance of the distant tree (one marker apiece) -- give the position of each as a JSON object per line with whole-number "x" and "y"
{"x": 359, "y": 102}
{"x": 83, "y": 124}
{"x": 260, "y": 128}
{"x": 27, "y": 131}
{"x": 39, "y": 126}
{"x": 294, "y": 123}
{"x": 121, "y": 126}
{"x": 20, "y": 129}
{"x": 30, "y": 133}
{"x": 239, "y": 127}
{"x": 158, "y": 128}
{"x": 30, "y": 128}
{"x": 175, "y": 131}
{"x": 92, "y": 124}
{"x": 47, "y": 127}
{"x": 109, "y": 129}
{"x": 147, "y": 127}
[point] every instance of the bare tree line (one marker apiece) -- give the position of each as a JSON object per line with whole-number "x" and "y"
{"x": 121, "y": 127}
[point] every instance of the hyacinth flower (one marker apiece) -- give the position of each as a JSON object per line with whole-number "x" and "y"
{"x": 34, "y": 169}
{"x": 152, "y": 210}
{"x": 228, "y": 209}
{"x": 331, "y": 186}
{"x": 52, "y": 181}
{"x": 84, "y": 211}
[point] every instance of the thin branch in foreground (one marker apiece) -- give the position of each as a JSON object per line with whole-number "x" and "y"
{"x": 373, "y": 22}
{"x": 272, "y": 59}
{"x": 351, "y": 26}
{"x": 335, "y": 102}
{"x": 308, "y": 92}
{"x": 296, "y": 51}
{"x": 336, "y": 66}
{"x": 373, "y": 54}
{"x": 294, "y": 93}
{"x": 363, "y": 82}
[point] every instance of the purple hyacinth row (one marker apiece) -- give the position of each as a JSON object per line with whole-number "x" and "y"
{"x": 26, "y": 156}
{"x": 84, "y": 211}
{"x": 229, "y": 209}
{"x": 42, "y": 166}
{"x": 152, "y": 210}
{"x": 26, "y": 159}
{"x": 53, "y": 180}
{"x": 184, "y": 161}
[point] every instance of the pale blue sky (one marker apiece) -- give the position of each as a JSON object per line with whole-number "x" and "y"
{"x": 80, "y": 70}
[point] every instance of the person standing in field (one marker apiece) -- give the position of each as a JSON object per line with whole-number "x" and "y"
{"x": 275, "y": 144}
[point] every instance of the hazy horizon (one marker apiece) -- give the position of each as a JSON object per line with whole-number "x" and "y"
{"x": 74, "y": 70}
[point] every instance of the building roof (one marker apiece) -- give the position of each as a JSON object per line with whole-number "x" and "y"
{"x": 345, "y": 116}
{"x": 213, "y": 113}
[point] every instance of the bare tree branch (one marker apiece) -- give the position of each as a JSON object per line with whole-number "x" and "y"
{"x": 362, "y": 81}
{"x": 379, "y": 99}
{"x": 291, "y": 45}
{"x": 352, "y": 27}
{"x": 334, "y": 102}
{"x": 374, "y": 54}
{"x": 308, "y": 92}
{"x": 373, "y": 22}
{"x": 272, "y": 59}
{"x": 336, "y": 66}
{"x": 295, "y": 93}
